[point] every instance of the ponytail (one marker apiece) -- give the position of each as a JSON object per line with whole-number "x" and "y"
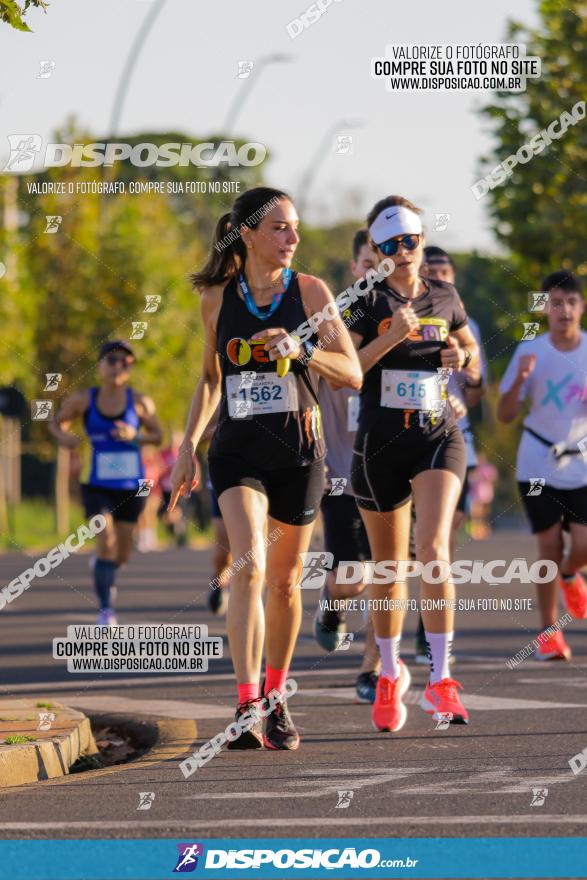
{"x": 228, "y": 253}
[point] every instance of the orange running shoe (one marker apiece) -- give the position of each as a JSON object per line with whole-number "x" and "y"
{"x": 552, "y": 647}
{"x": 575, "y": 596}
{"x": 441, "y": 700}
{"x": 389, "y": 713}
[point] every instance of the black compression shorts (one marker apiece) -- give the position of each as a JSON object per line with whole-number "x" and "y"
{"x": 123, "y": 504}
{"x": 344, "y": 533}
{"x": 550, "y": 506}
{"x": 464, "y": 496}
{"x": 382, "y": 471}
{"x": 293, "y": 493}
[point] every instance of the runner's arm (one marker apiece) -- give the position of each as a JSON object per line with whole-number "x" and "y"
{"x": 509, "y": 404}
{"x": 208, "y": 390}
{"x": 467, "y": 352}
{"x": 400, "y": 327}
{"x": 150, "y": 428}
{"x": 72, "y": 408}
{"x": 335, "y": 358}
{"x": 512, "y": 398}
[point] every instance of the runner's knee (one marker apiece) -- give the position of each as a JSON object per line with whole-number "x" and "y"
{"x": 249, "y": 577}
{"x": 284, "y": 583}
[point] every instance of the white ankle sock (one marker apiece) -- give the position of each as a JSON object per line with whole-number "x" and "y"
{"x": 389, "y": 651}
{"x": 439, "y": 647}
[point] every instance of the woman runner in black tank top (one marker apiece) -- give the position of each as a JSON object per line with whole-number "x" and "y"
{"x": 411, "y": 333}
{"x": 266, "y": 456}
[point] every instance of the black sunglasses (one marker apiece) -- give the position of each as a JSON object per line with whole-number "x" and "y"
{"x": 113, "y": 359}
{"x": 391, "y": 246}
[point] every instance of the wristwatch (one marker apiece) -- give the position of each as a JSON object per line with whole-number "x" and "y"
{"x": 468, "y": 358}
{"x": 308, "y": 349}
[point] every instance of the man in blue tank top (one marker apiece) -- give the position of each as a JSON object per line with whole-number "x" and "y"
{"x": 117, "y": 420}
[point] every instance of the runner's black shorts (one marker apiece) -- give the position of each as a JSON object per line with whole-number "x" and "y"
{"x": 464, "y": 496}
{"x": 554, "y": 505}
{"x": 123, "y": 504}
{"x": 293, "y": 493}
{"x": 344, "y": 533}
{"x": 382, "y": 470}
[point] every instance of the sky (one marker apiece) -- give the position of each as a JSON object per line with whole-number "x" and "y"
{"x": 423, "y": 145}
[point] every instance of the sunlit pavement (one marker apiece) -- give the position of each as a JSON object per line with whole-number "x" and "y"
{"x": 506, "y": 773}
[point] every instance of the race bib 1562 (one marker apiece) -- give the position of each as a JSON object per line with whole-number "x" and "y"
{"x": 260, "y": 393}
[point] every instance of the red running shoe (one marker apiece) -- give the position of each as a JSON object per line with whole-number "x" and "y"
{"x": 552, "y": 647}
{"x": 389, "y": 713}
{"x": 441, "y": 700}
{"x": 575, "y": 596}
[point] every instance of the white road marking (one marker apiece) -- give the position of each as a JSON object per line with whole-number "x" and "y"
{"x": 165, "y": 708}
{"x": 350, "y": 781}
{"x": 372, "y": 821}
{"x": 471, "y": 701}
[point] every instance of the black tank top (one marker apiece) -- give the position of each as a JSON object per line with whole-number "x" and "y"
{"x": 268, "y": 420}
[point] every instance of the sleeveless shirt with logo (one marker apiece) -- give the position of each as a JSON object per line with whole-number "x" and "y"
{"x": 269, "y": 420}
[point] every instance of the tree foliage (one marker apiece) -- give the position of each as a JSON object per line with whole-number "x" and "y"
{"x": 13, "y": 13}
{"x": 540, "y": 212}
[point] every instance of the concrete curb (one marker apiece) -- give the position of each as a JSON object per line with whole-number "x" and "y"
{"x": 51, "y": 752}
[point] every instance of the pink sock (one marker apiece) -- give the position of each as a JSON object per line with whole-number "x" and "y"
{"x": 274, "y": 679}
{"x": 248, "y": 692}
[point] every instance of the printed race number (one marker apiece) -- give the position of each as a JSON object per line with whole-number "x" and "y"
{"x": 405, "y": 389}
{"x": 264, "y": 393}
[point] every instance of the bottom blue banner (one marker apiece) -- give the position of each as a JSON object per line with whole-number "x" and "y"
{"x": 269, "y": 859}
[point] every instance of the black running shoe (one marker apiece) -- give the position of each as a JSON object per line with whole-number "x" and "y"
{"x": 280, "y": 732}
{"x": 217, "y": 599}
{"x": 329, "y": 625}
{"x": 253, "y": 737}
{"x": 365, "y": 687}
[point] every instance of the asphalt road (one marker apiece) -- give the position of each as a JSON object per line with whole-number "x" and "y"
{"x": 526, "y": 723}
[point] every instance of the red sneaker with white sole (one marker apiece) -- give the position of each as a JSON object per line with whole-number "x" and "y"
{"x": 575, "y": 596}
{"x": 552, "y": 647}
{"x": 441, "y": 700}
{"x": 389, "y": 713}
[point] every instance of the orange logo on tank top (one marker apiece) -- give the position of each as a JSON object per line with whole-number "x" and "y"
{"x": 238, "y": 351}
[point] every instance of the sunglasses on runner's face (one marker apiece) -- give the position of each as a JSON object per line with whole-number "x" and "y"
{"x": 391, "y": 246}
{"x": 116, "y": 359}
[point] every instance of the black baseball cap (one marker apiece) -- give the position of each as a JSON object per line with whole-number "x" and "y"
{"x": 116, "y": 345}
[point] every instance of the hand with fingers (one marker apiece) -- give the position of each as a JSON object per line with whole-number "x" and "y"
{"x": 526, "y": 367}
{"x": 453, "y": 355}
{"x": 280, "y": 346}
{"x": 185, "y": 476}
{"x": 404, "y": 322}
{"x": 124, "y": 431}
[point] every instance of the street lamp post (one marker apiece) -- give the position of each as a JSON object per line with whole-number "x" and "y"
{"x": 130, "y": 63}
{"x": 319, "y": 156}
{"x": 245, "y": 92}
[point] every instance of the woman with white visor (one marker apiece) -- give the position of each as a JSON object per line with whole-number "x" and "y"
{"x": 408, "y": 446}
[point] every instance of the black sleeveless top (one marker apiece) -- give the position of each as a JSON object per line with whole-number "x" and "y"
{"x": 267, "y": 420}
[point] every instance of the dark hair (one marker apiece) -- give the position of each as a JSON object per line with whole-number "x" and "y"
{"x": 432, "y": 252}
{"x": 228, "y": 253}
{"x": 360, "y": 238}
{"x": 563, "y": 281}
{"x": 387, "y": 202}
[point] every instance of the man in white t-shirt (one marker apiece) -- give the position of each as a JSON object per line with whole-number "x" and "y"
{"x": 549, "y": 372}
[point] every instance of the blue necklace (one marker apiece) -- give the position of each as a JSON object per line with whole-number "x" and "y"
{"x": 250, "y": 302}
